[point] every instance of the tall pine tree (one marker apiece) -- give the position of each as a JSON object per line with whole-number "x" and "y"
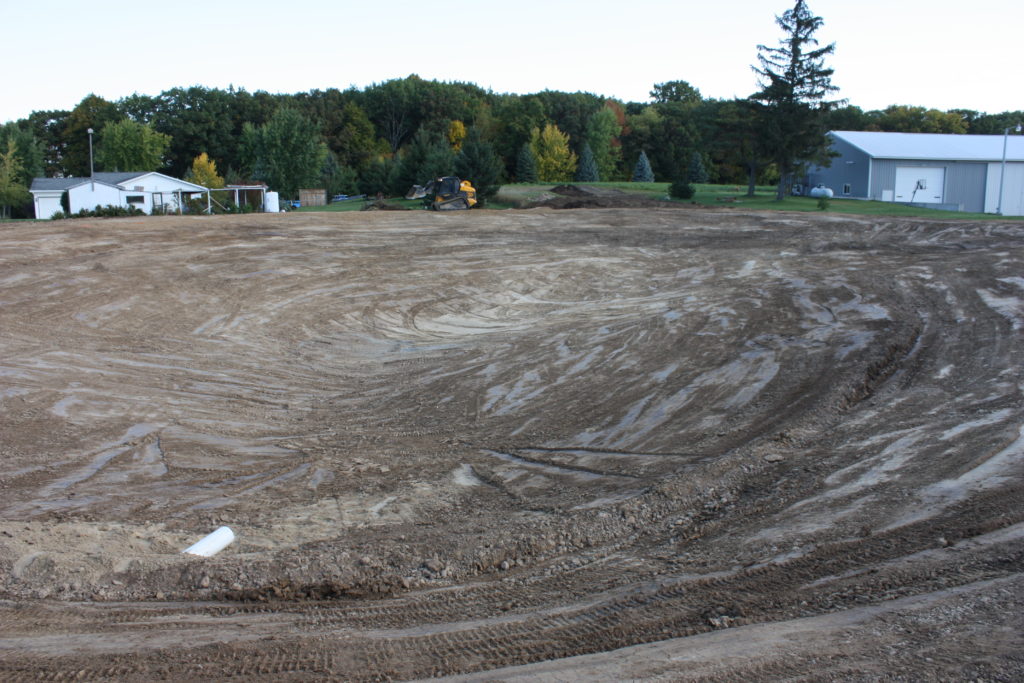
{"x": 480, "y": 164}
{"x": 587, "y": 171}
{"x": 794, "y": 86}
{"x": 526, "y": 165}
{"x": 642, "y": 172}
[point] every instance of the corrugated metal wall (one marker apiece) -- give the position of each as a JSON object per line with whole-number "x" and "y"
{"x": 965, "y": 181}
{"x": 965, "y": 185}
{"x": 850, "y": 167}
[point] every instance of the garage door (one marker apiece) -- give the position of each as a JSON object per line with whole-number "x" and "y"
{"x": 919, "y": 185}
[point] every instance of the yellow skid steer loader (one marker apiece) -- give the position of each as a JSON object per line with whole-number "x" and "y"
{"x": 445, "y": 194}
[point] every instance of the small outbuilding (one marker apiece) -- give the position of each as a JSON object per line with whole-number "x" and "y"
{"x": 147, "y": 191}
{"x": 952, "y": 172}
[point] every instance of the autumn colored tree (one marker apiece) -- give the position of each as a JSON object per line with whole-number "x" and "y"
{"x": 204, "y": 172}
{"x": 556, "y": 163}
{"x": 456, "y": 134}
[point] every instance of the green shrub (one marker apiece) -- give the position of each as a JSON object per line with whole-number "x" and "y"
{"x": 823, "y": 203}
{"x": 681, "y": 189}
{"x": 108, "y": 211}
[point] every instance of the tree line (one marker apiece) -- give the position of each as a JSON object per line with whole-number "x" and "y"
{"x": 390, "y": 135}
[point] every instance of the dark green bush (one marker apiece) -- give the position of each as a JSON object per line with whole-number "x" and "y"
{"x": 681, "y": 189}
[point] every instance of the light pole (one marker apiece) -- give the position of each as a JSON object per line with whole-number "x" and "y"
{"x": 1002, "y": 171}
{"x": 91, "y": 172}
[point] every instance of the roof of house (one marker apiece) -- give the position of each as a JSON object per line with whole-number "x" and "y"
{"x": 934, "y": 146}
{"x": 61, "y": 184}
{"x": 114, "y": 179}
{"x": 119, "y": 177}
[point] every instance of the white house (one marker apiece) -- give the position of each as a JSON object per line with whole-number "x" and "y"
{"x": 144, "y": 190}
{"x": 954, "y": 172}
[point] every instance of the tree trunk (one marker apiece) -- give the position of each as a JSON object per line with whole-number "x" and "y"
{"x": 751, "y": 178}
{"x": 780, "y": 191}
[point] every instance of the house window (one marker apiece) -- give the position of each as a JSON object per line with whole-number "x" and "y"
{"x": 847, "y": 189}
{"x": 135, "y": 199}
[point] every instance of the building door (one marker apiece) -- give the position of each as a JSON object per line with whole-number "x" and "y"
{"x": 919, "y": 185}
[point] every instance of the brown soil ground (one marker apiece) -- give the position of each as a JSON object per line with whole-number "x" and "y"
{"x": 653, "y": 444}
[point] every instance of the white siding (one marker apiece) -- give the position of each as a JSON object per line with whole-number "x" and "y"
{"x": 1013, "y": 191}
{"x": 90, "y": 195}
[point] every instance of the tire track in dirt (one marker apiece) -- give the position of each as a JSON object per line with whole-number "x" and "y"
{"x": 667, "y": 423}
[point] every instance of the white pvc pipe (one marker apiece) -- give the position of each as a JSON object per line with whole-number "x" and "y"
{"x": 211, "y": 544}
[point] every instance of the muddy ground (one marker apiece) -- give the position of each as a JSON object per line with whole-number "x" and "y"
{"x": 660, "y": 444}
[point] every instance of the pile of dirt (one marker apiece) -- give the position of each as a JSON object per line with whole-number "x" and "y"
{"x": 383, "y": 205}
{"x": 623, "y": 201}
{"x": 574, "y": 191}
{"x": 577, "y": 197}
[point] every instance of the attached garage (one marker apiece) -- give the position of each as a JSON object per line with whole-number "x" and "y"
{"x": 952, "y": 172}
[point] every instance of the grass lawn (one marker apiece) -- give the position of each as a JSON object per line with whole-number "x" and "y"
{"x": 734, "y": 196}
{"x": 510, "y": 196}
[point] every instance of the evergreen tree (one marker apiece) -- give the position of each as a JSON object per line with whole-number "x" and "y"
{"x": 428, "y": 156}
{"x": 336, "y": 178}
{"x": 480, "y": 164}
{"x": 681, "y": 187}
{"x": 376, "y": 177}
{"x": 587, "y": 171}
{"x": 794, "y": 84}
{"x": 642, "y": 172}
{"x": 526, "y": 165}
{"x": 697, "y": 173}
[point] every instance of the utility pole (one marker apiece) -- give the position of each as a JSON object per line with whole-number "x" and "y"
{"x": 1002, "y": 171}
{"x": 92, "y": 174}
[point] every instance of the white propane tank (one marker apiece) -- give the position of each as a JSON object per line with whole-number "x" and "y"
{"x": 271, "y": 204}
{"x": 212, "y": 544}
{"x": 821, "y": 191}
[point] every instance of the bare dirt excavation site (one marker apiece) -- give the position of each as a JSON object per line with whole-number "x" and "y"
{"x": 657, "y": 444}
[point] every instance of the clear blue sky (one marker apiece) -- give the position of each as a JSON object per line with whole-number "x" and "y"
{"x": 935, "y": 53}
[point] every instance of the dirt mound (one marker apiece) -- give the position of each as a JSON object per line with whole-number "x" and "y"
{"x": 607, "y": 201}
{"x": 572, "y": 191}
{"x": 383, "y": 205}
{"x": 592, "y": 197}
